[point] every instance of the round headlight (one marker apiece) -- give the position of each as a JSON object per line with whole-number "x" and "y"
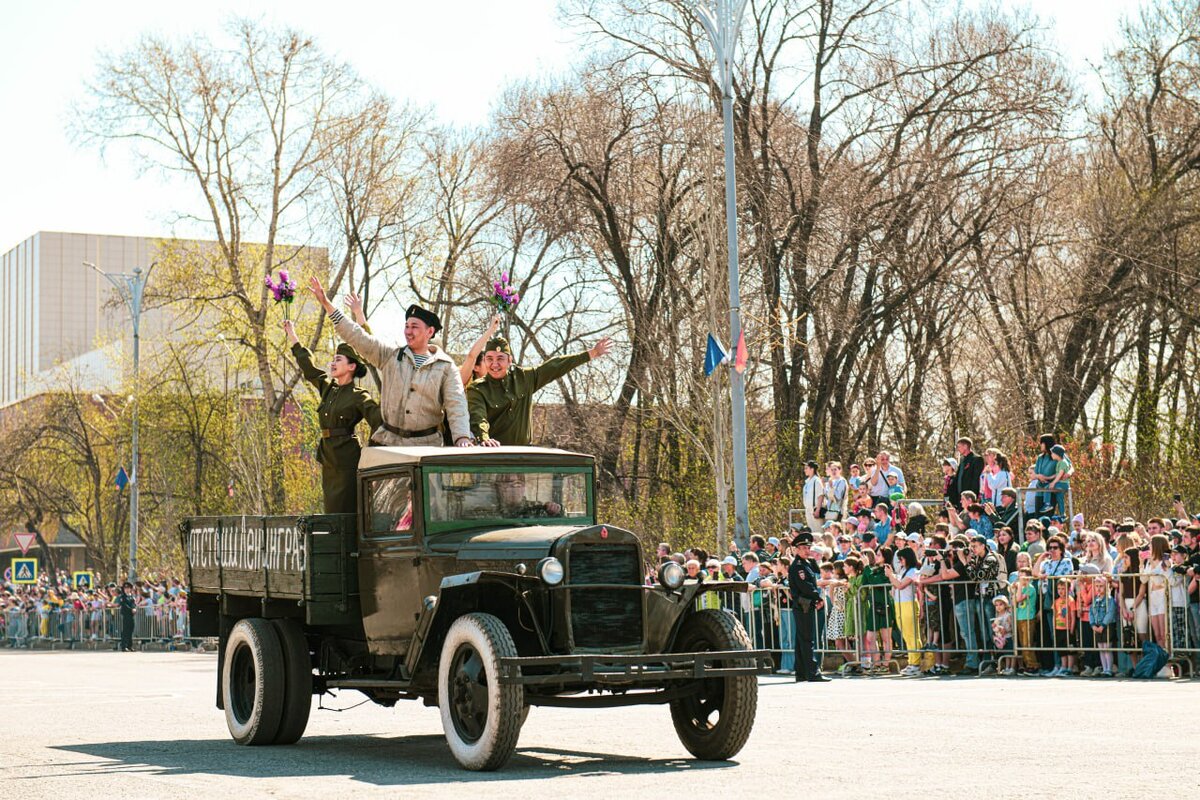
{"x": 550, "y": 570}
{"x": 671, "y": 575}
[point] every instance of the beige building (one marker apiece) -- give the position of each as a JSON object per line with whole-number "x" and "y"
{"x": 58, "y": 315}
{"x": 54, "y": 309}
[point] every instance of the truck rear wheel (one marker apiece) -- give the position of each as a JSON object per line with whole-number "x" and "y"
{"x": 297, "y": 681}
{"x": 715, "y": 723}
{"x": 480, "y": 716}
{"x": 252, "y": 682}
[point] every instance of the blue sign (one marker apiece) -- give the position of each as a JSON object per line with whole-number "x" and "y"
{"x": 25, "y": 570}
{"x": 122, "y": 479}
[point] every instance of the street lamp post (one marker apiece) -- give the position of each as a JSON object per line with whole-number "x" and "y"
{"x": 722, "y": 20}
{"x": 131, "y": 289}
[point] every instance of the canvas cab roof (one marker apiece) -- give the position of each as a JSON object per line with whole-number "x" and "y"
{"x": 373, "y": 457}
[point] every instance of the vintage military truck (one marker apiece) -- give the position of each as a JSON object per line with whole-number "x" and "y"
{"x": 473, "y": 579}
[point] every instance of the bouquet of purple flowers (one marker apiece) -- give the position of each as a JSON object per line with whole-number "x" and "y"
{"x": 504, "y": 297}
{"x": 283, "y": 290}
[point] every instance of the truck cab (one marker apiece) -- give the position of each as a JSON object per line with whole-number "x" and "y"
{"x": 475, "y": 579}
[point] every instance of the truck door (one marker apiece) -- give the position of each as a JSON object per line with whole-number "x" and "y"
{"x": 389, "y": 550}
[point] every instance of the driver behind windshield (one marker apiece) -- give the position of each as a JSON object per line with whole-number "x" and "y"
{"x": 511, "y": 501}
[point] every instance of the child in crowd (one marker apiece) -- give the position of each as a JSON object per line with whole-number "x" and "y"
{"x": 1027, "y": 614}
{"x": 1062, "y": 473}
{"x": 1083, "y": 633}
{"x": 855, "y": 606}
{"x": 856, "y": 478}
{"x": 862, "y": 499}
{"x": 1002, "y": 624}
{"x": 1102, "y": 617}
{"x": 835, "y": 624}
{"x": 1064, "y": 627}
{"x": 1177, "y": 585}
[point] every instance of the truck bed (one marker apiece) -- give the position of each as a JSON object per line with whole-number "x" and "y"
{"x": 310, "y": 560}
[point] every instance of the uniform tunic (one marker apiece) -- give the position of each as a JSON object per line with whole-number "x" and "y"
{"x": 507, "y": 404}
{"x": 413, "y": 398}
{"x": 341, "y": 407}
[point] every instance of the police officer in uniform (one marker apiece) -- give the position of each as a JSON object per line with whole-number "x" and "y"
{"x": 126, "y": 604}
{"x": 342, "y": 406}
{"x": 806, "y": 602}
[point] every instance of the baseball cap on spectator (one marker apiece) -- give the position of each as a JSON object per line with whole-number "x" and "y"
{"x": 730, "y": 560}
{"x": 1009, "y": 491}
{"x": 914, "y": 537}
{"x": 980, "y": 538}
{"x": 773, "y": 540}
{"x": 952, "y": 463}
{"x": 1089, "y": 569}
{"x": 1180, "y": 549}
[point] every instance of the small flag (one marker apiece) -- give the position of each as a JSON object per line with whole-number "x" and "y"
{"x": 714, "y": 356}
{"x": 739, "y": 357}
{"x": 122, "y": 479}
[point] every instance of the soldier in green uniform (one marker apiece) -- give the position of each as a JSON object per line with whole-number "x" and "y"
{"x": 342, "y": 406}
{"x": 503, "y": 397}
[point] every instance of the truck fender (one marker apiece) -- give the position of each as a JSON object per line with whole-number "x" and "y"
{"x": 501, "y": 594}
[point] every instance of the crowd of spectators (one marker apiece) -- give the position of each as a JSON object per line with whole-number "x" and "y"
{"x": 56, "y": 608}
{"x": 966, "y": 585}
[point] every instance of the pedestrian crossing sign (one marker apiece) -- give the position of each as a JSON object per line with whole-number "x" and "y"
{"x": 24, "y": 570}
{"x": 83, "y": 579}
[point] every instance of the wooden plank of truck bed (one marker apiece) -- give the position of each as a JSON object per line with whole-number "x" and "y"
{"x": 298, "y": 558}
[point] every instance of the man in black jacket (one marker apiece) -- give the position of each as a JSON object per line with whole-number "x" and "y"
{"x": 1006, "y": 515}
{"x": 806, "y": 597}
{"x": 970, "y": 468}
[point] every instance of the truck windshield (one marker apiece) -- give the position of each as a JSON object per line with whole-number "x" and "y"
{"x": 503, "y": 495}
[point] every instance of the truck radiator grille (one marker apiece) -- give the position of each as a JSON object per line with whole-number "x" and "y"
{"x": 603, "y": 619}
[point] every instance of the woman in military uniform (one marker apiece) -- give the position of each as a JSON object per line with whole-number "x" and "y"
{"x": 343, "y": 405}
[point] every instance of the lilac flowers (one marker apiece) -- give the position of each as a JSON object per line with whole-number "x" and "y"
{"x": 504, "y": 297}
{"x": 283, "y": 290}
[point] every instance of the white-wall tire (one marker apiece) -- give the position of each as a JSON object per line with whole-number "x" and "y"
{"x": 480, "y": 716}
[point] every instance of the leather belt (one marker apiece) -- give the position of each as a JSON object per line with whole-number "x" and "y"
{"x": 329, "y": 433}
{"x": 410, "y": 434}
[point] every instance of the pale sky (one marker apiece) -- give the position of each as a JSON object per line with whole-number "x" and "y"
{"x": 455, "y": 55}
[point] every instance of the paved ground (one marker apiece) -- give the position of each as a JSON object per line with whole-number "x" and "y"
{"x": 143, "y": 725}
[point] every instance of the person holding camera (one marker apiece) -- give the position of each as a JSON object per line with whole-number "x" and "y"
{"x": 960, "y": 565}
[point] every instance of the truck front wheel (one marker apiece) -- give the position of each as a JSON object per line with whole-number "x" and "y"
{"x": 480, "y": 716}
{"x": 715, "y": 722}
{"x": 252, "y": 682}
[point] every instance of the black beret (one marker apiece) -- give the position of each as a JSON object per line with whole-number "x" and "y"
{"x": 803, "y": 537}
{"x": 428, "y": 317}
{"x": 351, "y": 354}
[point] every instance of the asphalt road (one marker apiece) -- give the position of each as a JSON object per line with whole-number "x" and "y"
{"x": 106, "y": 725}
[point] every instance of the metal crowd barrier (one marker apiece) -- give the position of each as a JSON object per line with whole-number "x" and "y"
{"x": 949, "y": 626}
{"x": 26, "y": 627}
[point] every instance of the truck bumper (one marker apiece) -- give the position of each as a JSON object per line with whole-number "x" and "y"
{"x": 652, "y": 670}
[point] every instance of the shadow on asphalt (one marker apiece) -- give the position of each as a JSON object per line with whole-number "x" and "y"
{"x": 380, "y": 760}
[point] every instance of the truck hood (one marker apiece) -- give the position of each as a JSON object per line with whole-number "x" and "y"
{"x": 529, "y": 542}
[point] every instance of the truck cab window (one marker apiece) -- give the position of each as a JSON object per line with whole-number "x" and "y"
{"x": 389, "y": 505}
